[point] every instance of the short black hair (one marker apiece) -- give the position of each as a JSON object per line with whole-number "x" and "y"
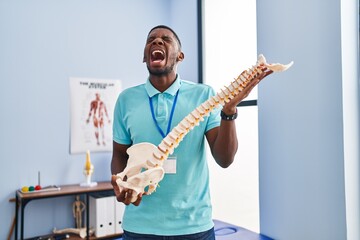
{"x": 168, "y": 28}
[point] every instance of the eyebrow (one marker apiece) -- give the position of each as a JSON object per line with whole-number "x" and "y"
{"x": 150, "y": 37}
{"x": 168, "y": 28}
{"x": 174, "y": 36}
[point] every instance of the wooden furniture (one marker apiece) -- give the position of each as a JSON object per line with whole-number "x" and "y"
{"x": 23, "y": 198}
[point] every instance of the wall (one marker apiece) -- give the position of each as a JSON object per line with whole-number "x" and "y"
{"x": 351, "y": 113}
{"x": 188, "y": 69}
{"x": 43, "y": 43}
{"x": 222, "y": 48}
{"x": 301, "y": 125}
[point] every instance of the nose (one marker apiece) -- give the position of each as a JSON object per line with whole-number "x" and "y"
{"x": 158, "y": 41}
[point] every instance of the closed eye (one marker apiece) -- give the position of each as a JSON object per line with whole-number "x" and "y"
{"x": 167, "y": 39}
{"x": 149, "y": 40}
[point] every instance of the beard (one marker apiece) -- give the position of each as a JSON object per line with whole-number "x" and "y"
{"x": 159, "y": 72}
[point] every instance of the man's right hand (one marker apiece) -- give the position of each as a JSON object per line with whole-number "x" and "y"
{"x": 124, "y": 195}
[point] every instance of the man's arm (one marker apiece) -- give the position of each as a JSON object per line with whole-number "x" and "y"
{"x": 119, "y": 158}
{"x": 223, "y": 143}
{"x": 118, "y": 164}
{"x": 223, "y": 139}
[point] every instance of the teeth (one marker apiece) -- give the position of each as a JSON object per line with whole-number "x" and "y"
{"x": 157, "y": 51}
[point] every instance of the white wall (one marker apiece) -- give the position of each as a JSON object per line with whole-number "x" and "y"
{"x": 227, "y": 52}
{"x": 350, "y": 75}
{"x": 43, "y": 43}
{"x": 301, "y": 124}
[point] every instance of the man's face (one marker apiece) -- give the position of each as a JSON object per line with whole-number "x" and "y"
{"x": 162, "y": 52}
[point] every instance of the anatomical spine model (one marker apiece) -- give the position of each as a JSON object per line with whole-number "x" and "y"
{"x": 144, "y": 166}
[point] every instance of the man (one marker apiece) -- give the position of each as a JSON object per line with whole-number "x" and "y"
{"x": 180, "y": 208}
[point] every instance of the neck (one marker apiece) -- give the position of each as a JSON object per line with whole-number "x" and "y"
{"x": 162, "y": 83}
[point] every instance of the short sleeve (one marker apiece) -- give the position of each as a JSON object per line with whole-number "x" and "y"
{"x": 121, "y": 134}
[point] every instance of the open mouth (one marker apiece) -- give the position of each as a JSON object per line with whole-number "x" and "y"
{"x": 157, "y": 56}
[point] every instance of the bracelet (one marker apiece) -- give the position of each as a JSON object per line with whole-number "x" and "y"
{"x": 228, "y": 117}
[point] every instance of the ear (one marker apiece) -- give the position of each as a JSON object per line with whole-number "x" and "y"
{"x": 180, "y": 56}
{"x": 144, "y": 57}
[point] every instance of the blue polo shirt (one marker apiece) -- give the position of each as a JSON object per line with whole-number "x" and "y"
{"x": 181, "y": 204}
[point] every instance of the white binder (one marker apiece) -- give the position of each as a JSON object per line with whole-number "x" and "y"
{"x": 102, "y": 209}
{"x": 119, "y": 212}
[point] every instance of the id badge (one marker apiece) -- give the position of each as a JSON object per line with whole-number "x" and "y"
{"x": 170, "y": 165}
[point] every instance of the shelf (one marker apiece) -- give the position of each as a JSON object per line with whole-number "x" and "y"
{"x": 76, "y": 237}
{"x": 64, "y": 190}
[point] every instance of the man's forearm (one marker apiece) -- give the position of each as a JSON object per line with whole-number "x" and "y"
{"x": 226, "y": 144}
{"x": 116, "y": 166}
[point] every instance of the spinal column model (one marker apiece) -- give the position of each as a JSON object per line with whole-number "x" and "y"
{"x": 150, "y": 157}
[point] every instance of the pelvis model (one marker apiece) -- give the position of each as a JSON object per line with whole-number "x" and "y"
{"x": 144, "y": 166}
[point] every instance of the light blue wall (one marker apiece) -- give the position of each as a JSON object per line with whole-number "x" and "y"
{"x": 302, "y": 188}
{"x": 42, "y": 44}
{"x": 186, "y": 10}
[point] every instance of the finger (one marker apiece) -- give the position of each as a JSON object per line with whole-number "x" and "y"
{"x": 115, "y": 185}
{"x": 121, "y": 195}
{"x": 113, "y": 181}
{"x": 268, "y": 73}
{"x": 138, "y": 200}
{"x": 261, "y": 76}
{"x": 127, "y": 196}
{"x": 244, "y": 93}
{"x": 250, "y": 87}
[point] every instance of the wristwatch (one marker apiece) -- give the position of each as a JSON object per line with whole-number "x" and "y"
{"x": 228, "y": 117}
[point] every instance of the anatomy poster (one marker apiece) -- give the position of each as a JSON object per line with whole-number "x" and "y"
{"x": 92, "y": 106}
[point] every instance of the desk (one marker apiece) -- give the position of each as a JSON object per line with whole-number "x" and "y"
{"x": 23, "y": 198}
